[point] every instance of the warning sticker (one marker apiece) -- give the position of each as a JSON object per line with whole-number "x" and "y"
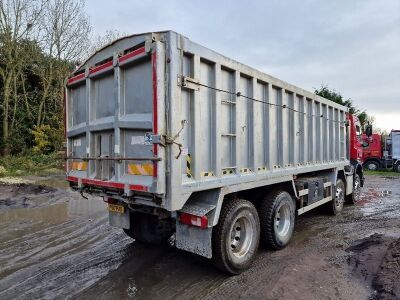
{"x": 148, "y": 139}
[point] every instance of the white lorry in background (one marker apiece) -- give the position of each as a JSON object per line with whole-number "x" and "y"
{"x": 182, "y": 141}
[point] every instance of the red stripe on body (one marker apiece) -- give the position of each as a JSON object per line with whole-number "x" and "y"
{"x": 132, "y": 54}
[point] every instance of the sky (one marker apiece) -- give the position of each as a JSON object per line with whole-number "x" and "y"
{"x": 352, "y": 46}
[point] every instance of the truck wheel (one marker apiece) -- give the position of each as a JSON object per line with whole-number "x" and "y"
{"x": 235, "y": 238}
{"x": 277, "y": 216}
{"x": 148, "y": 229}
{"x": 335, "y": 206}
{"x": 354, "y": 197}
{"x": 371, "y": 165}
{"x": 396, "y": 167}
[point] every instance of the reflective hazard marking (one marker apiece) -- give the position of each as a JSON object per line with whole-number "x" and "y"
{"x": 188, "y": 166}
{"x": 141, "y": 169}
{"x": 79, "y": 165}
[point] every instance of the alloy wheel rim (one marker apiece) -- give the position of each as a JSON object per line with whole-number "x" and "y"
{"x": 282, "y": 221}
{"x": 339, "y": 197}
{"x": 241, "y": 236}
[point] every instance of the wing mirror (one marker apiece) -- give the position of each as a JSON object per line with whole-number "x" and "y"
{"x": 368, "y": 130}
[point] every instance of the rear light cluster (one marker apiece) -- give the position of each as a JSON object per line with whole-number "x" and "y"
{"x": 198, "y": 221}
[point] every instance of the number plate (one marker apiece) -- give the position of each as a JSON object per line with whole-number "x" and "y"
{"x": 116, "y": 208}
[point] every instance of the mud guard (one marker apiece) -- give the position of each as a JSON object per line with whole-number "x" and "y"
{"x": 359, "y": 170}
{"x": 195, "y": 239}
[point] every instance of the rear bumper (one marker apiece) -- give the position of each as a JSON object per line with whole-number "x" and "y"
{"x": 86, "y": 182}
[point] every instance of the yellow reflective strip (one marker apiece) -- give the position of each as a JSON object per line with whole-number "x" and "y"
{"x": 135, "y": 170}
{"x": 149, "y": 169}
{"x": 141, "y": 169}
{"x": 79, "y": 165}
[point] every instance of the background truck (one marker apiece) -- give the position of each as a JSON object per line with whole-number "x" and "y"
{"x": 190, "y": 146}
{"x": 382, "y": 151}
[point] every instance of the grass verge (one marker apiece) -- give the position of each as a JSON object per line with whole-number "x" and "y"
{"x": 35, "y": 164}
{"x": 383, "y": 173}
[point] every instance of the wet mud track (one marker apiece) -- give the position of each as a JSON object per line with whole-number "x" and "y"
{"x": 54, "y": 244}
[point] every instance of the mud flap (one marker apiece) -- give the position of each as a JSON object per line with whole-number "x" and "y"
{"x": 119, "y": 220}
{"x": 349, "y": 185}
{"x": 194, "y": 239}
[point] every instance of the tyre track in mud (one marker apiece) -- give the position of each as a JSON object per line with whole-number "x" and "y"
{"x": 56, "y": 246}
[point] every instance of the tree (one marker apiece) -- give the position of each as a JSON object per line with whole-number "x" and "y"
{"x": 336, "y": 97}
{"x": 18, "y": 19}
{"x": 102, "y": 40}
{"x": 40, "y": 42}
{"x": 65, "y": 38}
{"x": 65, "y": 30}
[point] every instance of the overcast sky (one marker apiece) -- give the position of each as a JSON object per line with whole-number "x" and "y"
{"x": 353, "y": 46}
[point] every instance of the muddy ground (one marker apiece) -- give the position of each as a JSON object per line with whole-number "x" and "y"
{"x": 55, "y": 244}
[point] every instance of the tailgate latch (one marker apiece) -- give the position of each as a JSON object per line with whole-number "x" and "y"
{"x": 158, "y": 139}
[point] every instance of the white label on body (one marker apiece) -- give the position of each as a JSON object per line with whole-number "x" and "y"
{"x": 137, "y": 139}
{"x": 77, "y": 143}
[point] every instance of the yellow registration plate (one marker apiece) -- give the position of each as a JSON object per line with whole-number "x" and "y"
{"x": 116, "y": 208}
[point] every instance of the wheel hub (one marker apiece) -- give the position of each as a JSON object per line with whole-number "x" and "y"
{"x": 339, "y": 197}
{"x": 282, "y": 220}
{"x": 241, "y": 236}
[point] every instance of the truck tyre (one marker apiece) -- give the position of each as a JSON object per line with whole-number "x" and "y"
{"x": 354, "y": 197}
{"x": 371, "y": 165}
{"x": 335, "y": 206}
{"x": 148, "y": 229}
{"x": 277, "y": 215}
{"x": 396, "y": 167}
{"x": 236, "y": 236}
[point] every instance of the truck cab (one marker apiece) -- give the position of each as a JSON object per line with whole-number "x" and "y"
{"x": 356, "y": 141}
{"x": 356, "y": 145}
{"x": 372, "y": 153}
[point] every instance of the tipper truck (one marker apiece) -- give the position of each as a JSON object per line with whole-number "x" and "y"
{"x": 191, "y": 147}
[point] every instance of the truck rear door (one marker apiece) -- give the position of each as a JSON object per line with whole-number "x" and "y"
{"x": 114, "y": 108}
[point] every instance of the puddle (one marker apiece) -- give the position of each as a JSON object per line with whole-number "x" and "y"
{"x": 56, "y": 213}
{"x": 87, "y": 207}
